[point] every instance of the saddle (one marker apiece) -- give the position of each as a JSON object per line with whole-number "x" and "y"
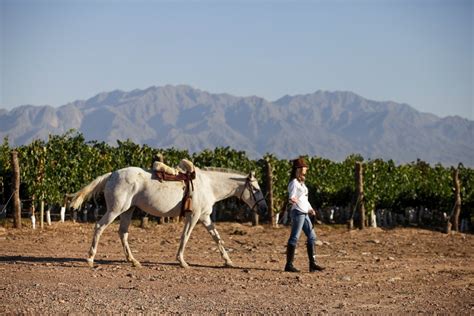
{"x": 184, "y": 172}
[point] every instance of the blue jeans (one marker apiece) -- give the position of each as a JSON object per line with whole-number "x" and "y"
{"x": 300, "y": 221}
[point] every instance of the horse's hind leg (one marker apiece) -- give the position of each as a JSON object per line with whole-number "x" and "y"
{"x": 125, "y": 219}
{"x": 206, "y": 221}
{"x": 99, "y": 229}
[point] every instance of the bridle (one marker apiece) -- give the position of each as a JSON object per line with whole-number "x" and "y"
{"x": 252, "y": 189}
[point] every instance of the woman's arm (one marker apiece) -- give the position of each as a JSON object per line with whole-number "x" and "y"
{"x": 292, "y": 192}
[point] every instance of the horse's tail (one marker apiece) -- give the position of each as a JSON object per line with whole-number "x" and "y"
{"x": 92, "y": 188}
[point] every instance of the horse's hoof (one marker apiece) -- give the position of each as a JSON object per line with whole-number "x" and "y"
{"x": 229, "y": 264}
{"x": 136, "y": 264}
{"x": 184, "y": 265}
{"x": 90, "y": 262}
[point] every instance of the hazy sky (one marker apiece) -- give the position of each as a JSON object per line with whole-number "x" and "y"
{"x": 414, "y": 52}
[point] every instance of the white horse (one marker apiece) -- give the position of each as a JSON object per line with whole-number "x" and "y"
{"x": 132, "y": 187}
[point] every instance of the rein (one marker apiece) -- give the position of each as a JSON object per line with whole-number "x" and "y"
{"x": 249, "y": 186}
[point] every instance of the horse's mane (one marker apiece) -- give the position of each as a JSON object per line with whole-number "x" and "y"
{"x": 225, "y": 170}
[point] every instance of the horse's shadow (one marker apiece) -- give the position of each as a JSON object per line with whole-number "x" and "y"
{"x": 75, "y": 262}
{"x": 81, "y": 263}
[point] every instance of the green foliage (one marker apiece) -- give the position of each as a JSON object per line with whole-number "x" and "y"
{"x": 224, "y": 157}
{"x": 466, "y": 176}
{"x": 281, "y": 173}
{"x": 5, "y": 168}
{"x": 67, "y": 162}
{"x": 330, "y": 183}
{"x": 5, "y": 157}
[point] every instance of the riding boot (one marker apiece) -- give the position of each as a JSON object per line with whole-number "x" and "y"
{"x": 290, "y": 256}
{"x": 313, "y": 267}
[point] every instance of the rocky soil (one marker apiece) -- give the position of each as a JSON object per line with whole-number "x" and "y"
{"x": 402, "y": 270}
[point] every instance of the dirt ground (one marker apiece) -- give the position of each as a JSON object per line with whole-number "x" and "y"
{"x": 402, "y": 270}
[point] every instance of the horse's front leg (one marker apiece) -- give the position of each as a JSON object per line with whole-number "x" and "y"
{"x": 206, "y": 221}
{"x": 191, "y": 220}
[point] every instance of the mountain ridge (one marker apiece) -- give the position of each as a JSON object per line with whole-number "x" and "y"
{"x": 324, "y": 123}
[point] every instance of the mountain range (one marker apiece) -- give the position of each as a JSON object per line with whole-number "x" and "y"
{"x": 327, "y": 124}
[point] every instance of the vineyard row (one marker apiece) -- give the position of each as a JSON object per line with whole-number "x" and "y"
{"x": 64, "y": 163}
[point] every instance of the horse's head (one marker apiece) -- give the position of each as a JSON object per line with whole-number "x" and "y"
{"x": 252, "y": 195}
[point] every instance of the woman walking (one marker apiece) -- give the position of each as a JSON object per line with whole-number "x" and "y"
{"x": 300, "y": 221}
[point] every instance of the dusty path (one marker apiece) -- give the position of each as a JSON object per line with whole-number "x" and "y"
{"x": 404, "y": 270}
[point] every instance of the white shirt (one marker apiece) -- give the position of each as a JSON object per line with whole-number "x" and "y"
{"x": 300, "y": 191}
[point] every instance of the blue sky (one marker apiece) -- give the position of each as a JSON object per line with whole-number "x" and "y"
{"x": 415, "y": 52}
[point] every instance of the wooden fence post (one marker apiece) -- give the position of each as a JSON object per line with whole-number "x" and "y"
{"x": 359, "y": 177}
{"x": 62, "y": 213}
{"x": 39, "y": 180}
{"x": 85, "y": 212}
{"x": 74, "y": 215}
{"x": 254, "y": 218}
{"x": 33, "y": 215}
{"x": 16, "y": 190}
{"x": 42, "y": 213}
{"x": 269, "y": 186}
{"x": 457, "y": 201}
{"x": 48, "y": 215}
{"x": 96, "y": 209}
{"x": 144, "y": 222}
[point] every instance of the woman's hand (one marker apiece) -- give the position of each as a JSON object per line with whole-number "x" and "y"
{"x": 312, "y": 212}
{"x": 294, "y": 200}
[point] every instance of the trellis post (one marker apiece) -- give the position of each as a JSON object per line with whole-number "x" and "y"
{"x": 359, "y": 178}
{"x": 269, "y": 185}
{"x": 42, "y": 213}
{"x": 16, "y": 190}
{"x": 457, "y": 200}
